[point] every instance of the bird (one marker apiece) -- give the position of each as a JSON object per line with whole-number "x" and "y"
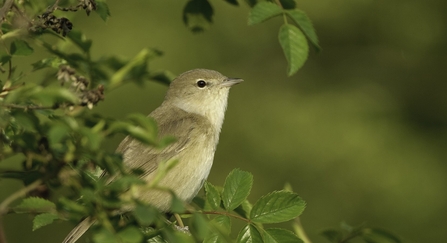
{"x": 193, "y": 112}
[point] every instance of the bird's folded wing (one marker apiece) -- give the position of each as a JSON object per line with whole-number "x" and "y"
{"x": 141, "y": 156}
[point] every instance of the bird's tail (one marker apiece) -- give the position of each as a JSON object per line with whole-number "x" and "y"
{"x": 79, "y": 230}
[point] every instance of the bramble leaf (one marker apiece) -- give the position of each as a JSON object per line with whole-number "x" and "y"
{"x": 249, "y": 234}
{"x": 80, "y": 40}
{"x": 212, "y": 196}
{"x": 21, "y": 48}
{"x": 295, "y": 47}
{"x": 197, "y": 15}
{"x": 277, "y": 207}
{"x": 102, "y": 9}
{"x": 43, "y": 219}
{"x": 236, "y": 189}
{"x": 35, "y": 205}
{"x": 263, "y": 11}
{"x": 301, "y": 19}
{"x": 280, "y": 236}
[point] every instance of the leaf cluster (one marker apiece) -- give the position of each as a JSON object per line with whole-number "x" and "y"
{"x": 50, "y": 126}
{"x": 294, "y": 37}
{"x": 347, "y": 233}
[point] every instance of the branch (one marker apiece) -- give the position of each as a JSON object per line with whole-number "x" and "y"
{"x": 4, "y": 10}
{"x": 31, "y": 107}
{"x": 18, "y": 194}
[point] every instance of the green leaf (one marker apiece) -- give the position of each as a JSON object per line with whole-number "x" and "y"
{"x": 10, "y": 32}
{"x": 4, "y": 59}
{"x": 277, "y": 207}
{"x": 163, "y": 77}
{"x": 244, "y": 209}
{"x": 35, "y": 205}
{"x": 177, "y": 205}
{"x": 145, "y": 122}
{"x": 124, "y": 182}
{"x": 224, "y": 222}
{"x": 199, "y": 226}
{"x": 142, "y": 135}
{"x": 134, "y": 131}
{"x": 332, "y": 235}
{"x": 21, "y": 48}
{"x": 263, "y": 11}
{"x": 165, "y": 141}
{"x": 53, "y": 62}
{"x": 212, "y": 196}
{"x": 221, "y": 228}
{"x": 52, "y": 95}
{"x": 295, "y": 47}
{"x": 251, "y": 3}
{"x": 43, "y": 219}
{"x": 197, "y": 15}
{"x": 233, "y": 2}
{"x": 280, "y": 236}
{"x": 73, "y": 206}
{"x": 26, "y": 120}
{"x": 102, "y": 9}
{"x": 236, "y": 188}
{"x": 374, "y": 235}
{"x": 130, "y": 234}
{"x": 134, "y": 69}
{"x": 80, "y": 40}
{"x": 92, "y": 140}
{"x": 105, "y": 236}
{"x": 27, "y": 177}
{"x": 56, "y": 133}
{"x": 301, "y": 19}
{"x": 288, "y": 4}
{"x": 172, "y": 235}
{"x": 249, "y": 234}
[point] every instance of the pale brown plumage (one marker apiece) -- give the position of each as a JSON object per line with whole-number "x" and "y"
{"x": 194, "y": 115}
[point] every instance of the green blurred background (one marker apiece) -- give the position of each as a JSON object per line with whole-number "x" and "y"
{"x": 359, "y": 132}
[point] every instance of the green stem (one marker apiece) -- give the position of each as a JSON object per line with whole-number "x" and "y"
{"x": 299, "y": 230}
{"x": 227, "y": 214}
{"x": 283, "y": 15}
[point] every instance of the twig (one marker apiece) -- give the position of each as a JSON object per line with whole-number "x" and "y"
{"x": 4, "y": 10}
{"x": 4, "y": 205}
{"x": 55, "y": 5}
{"x": 18, "y": 194}
{"x": 30, "y": 107}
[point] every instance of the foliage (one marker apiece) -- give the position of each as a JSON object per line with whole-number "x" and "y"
{"x": 51, "y": 126}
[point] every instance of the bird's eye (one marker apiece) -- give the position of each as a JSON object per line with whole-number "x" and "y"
{"x": 201, "y": 84}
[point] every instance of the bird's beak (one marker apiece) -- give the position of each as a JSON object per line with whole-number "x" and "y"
{"x": 231, "y": 81}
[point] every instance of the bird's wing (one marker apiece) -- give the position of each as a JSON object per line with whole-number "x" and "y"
{"x": 140, "y": 156}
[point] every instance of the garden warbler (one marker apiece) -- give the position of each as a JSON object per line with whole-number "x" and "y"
{"x": 193, "y": 112}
